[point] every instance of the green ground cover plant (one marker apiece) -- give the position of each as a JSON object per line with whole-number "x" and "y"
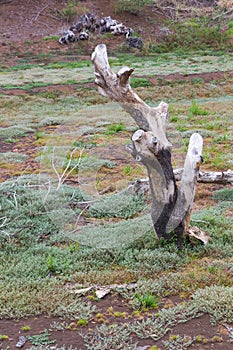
{"x": 54, "y": 236}
{"x": 13, "y": 157}
{"x": 131, "y": 6}
{"x": 14, "y": 131}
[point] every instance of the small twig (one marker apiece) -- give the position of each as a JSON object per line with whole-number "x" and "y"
{"x": 229, "y": 328}
{"x": 40, "y": 12}
{"x": 78, "y": 218}
{"x": 4, "y": 218}
{"x": 6, "y": 233}
{"x": 50, "y": 16}
{"x": 223, "y": 14}
{"x": 49, "y": 189}
{"x": 204, "y": 222}
{"x": 62, "y": 178}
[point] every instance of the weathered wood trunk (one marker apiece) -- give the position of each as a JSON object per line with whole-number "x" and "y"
{"x": 171, "y": 206}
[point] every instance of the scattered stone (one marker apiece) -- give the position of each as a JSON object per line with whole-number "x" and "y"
{"x": 21, "y": 342}
{"x": 68, "y": 37}
{"x": 133, "y": 41}
{"x": 83, "y": 35}
{"x": 82, "y": 291}
{"x": 101, "y": 293}
{"x": 91, "y": 23}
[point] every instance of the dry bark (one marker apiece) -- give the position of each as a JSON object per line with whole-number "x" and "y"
{"x": 206, "y": 177}
{"x": 171, "y": 206}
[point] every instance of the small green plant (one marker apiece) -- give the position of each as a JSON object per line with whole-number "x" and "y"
{"x": 51, "y": 264}
{"x": 197, "y": 81}
{"x": 120, "y": 314}
{"x": 177, "y": 342}
{"x": 11, "y": 140}
{"x": 82, "y": 322}
{"x": 41, "y": 339}
{"x": 127, "y": 170}
{"x": 4, "y": 337}
{"x": 68, "y": 12}
{"x": 195, "y": 109}
{"x": 115, "y": 128}
{"x": 139, "y": 82}
{"x": 216, "y": 339}
{"x": 74, "y": 247}
{"x": 25, "y": 328}
{"x": 199, "y": 338}
{"x": 39, "y": 134}
{"x": 173, "y": 119}
{"x": 147, "y": 301}
{"x": 51, "y": 37}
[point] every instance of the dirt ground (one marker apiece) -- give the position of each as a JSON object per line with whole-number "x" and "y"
{"x": 216, "y": 337}
{"x": 23, "y": 24}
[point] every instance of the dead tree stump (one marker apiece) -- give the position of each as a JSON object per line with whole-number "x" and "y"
{"x": 171, "y": 205}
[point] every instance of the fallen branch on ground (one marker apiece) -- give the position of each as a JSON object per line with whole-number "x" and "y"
{"x": 211, "y": 177}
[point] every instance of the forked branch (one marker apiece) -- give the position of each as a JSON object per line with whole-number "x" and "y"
{"x": 171, "y": 207}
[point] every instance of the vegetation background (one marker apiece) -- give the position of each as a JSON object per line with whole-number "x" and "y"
{"x": 68, "y": 221}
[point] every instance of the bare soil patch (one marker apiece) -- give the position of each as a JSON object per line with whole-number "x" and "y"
{"x": 211, "y": 336}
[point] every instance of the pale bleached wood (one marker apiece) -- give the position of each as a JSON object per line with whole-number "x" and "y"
{"x": 170, "y": 206}
{"x": 117, "y": 87}
{"x": 205, "y": 177}
{"x": 180, "y": 218}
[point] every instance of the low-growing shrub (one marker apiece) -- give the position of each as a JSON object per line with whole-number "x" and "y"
{"x": 217, "y": 301}
{"x": 196, "y": 34}
{"x": 117, "y": 205}
{"x": 225, "y": 194}
{"x": 140, "y": 82}
{"x": 115, "y": 128}
{"x": 132, "y": 6}
{"x": 13, "y": 132}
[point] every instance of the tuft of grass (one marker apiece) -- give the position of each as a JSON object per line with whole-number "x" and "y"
{"x": 68, "y": 12}
{"x": 139, "y": 82}
{"x": 51, "y": 37}
{"x": 115, "y": 128}
{"x": 127, "y": 170}
{"x": 195, "y": 34}
{"x": 195, "y": 110}
{"x": 147, "y": 301}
